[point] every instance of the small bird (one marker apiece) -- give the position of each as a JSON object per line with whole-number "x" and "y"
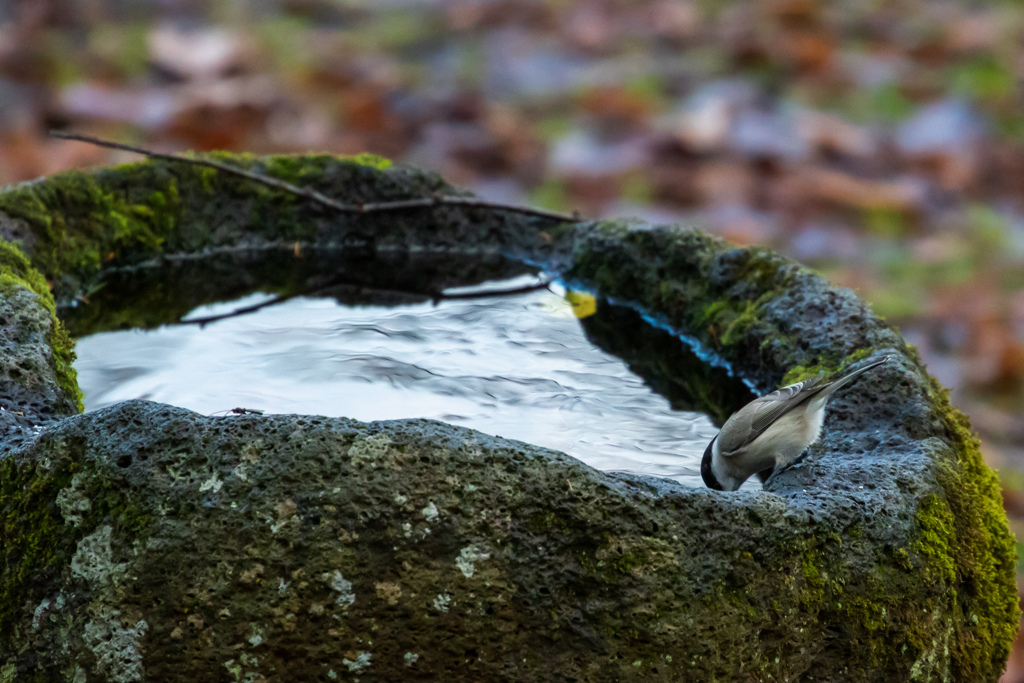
{"x": 772, "y": 432}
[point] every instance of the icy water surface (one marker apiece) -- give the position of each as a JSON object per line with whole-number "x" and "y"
{"x": 518, "y": 366}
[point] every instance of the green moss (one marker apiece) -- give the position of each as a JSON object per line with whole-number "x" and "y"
{"x": 84, "y": 221}
{"x": 62, "y": 347}
{"x": 650, "y": 267}
{"x": 812, "y": 574}
{"x": 545, "y": 521}
{"x": 207, "y": 178}
{"x": 968, "y": 540}
{"x": 871, "y": 614}
{"x": 366, "y": 159}
{"x": 15, "y": 271}
{"x": 732, "y": 320}
{"x": 737, "y": 329}
{"x": 800, "y": 373}
{"x": 38, "y": 541}
{"x": 615, "y": 559}
{"x": 935, "y": 521}
{"x": 963, "y": 535}
{"x": 33, "y": 533}
{"x": 80, "y": 224}
{"x": 766, "y": 269}
{"x": 306, "y": 169}
{"x": 628, "y": 561}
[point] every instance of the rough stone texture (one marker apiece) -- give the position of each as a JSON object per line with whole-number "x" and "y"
{"x": 145, "y": 542}
{"x": 27, "y": 379}
{"x": 37, "y": 382}
{"x": 283, "y": 546}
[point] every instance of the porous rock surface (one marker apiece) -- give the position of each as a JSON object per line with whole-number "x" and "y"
{"x": 148, "y": 543}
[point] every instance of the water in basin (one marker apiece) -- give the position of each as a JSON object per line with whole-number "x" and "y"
{"x": 523, "y": 367}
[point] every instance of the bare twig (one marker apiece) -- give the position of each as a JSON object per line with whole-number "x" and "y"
{"x": 434, "y": 296}
{"x": 483, "y": 294}
{"x": 320, "y": 198}
{"x": 204, "y": 321}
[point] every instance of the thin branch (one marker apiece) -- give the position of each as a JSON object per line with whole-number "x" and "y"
{"x": 320, "y": 198}
{"x": 204, "y": 321}
{"x": 434, "y": 296}
{"x": 483, "y": 294}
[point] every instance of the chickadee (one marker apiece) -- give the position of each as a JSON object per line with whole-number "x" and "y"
{"x": 771, "y": 432}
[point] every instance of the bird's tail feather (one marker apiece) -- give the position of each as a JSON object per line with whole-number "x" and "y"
{"x": 851, "y": 375}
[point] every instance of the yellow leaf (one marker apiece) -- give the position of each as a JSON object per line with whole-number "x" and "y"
{"x": 583, "y": 304}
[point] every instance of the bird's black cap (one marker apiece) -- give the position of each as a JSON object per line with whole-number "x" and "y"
{"x": 705, "y": 469}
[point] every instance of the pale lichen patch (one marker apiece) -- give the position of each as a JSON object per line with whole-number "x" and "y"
{"x": 241, "y": 471}
{"x": 442, "y": 602}
{"x": 370, "y": 449}
{"x": 361, "y": 661}
{"x": 468, "y": 559}
{"x": 340, "y": 585}
{"x": 234, "y": 668}
{"x": 37, "y": 616}
{"x": 117, "y": 648}
{"x": 73, "y": 501}
{"x": 214, "y": 483}
{"x": 252, "y": 450}
{"x": 93, "y": 560}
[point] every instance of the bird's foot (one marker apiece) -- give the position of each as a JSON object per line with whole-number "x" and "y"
{"x": 785, "y": 468}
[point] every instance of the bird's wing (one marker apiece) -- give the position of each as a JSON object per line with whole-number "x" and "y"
{"x": 750, "y": 421}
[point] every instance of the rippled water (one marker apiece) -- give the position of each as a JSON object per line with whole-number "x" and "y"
{"x": 516, "y": 366}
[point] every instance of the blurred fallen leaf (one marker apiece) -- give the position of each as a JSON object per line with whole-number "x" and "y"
{"x": 616, "y": 109}
{"x": 725, "y": 181}
{"x": 200, "y": 53}
{"x": 830, "y": 133}
{"x": 905, "y": 194}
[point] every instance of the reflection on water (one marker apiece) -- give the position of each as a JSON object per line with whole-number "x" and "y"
{"x": 516, "y": 366}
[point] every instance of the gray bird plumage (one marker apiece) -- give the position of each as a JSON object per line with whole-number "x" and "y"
{"x": 772, "y": 431}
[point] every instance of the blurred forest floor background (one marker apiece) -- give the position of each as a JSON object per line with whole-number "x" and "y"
{"x": 879, "y": 143}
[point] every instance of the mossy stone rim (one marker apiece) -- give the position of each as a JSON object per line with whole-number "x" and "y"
{"x": 894, "y": 524}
